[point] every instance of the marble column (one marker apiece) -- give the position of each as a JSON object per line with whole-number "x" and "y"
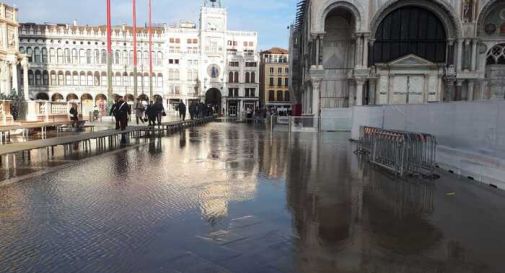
{"x": 459, "y": 90}
{"x": 474, "y": 55}
{"x": 451, "y": 92}
{"x": 467, "y": 55}
{"x": 316, "y": 103}
{"x": 373, "y": 95}
{"x": 359, "y": 48}
{"x": 365, "y": 50}
{"x": 15, "y": 80}
{"x": 318, "y": 47}
{"x": 459, "y": 59}
{"x": 359, "y": 92}
{"x": 8, "y": 83}
{"x": 25, "y": 80}
{"x": 471, "y": 87}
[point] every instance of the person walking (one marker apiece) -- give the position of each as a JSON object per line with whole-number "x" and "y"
{"x": 182, "y": 110}
{"x": 113, "y": 112}
{"x": 150, "y": 113}
{"x": 139, "y": 111}
{"x": 192, "y": 111}
{"x": 74, "y": 116}
{"x": 122, "y": 113}
{"x": 159, "y": 111}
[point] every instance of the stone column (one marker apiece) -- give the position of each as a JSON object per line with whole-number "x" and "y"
{"x": 450, "y": 51}
{"x": 26, "y": 90}
{"x": 471, "y": 87}
{"x": 372, "y": 87}
{"x": 359, "y": 49}
{"x": 359, "y": 91}
{"x": 15, "y": 80}
{"x": 450, "y": 93}
{"x": 321, "y": 50}
{"x": 316, "y": 104}
{"x": 483, "y": 87}
{"x": 8, "y": 83}
{"x": 467, "y": 53}
{"x": 366, "y": 47}
{"x": 318, "y": 46}
{"x": 459, "y": 59}
{"x": 474, "y": 55}
{"x": 459, "y": 90}
{"x": 30, "y": 110}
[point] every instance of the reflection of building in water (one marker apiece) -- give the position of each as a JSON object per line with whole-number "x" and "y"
{"x": 273, "y": 156}
{"x": 322, "y": 204}
{"x": 232, "y": 171}
{"x": 368, "y": 222}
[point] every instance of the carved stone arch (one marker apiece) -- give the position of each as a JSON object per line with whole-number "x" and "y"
{"x": 484, "y": 12}
{"x": 321, "y": 12}
{"x": 441, "y": 9}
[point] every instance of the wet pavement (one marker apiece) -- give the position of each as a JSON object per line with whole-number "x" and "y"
{"x": 236, "y": 198}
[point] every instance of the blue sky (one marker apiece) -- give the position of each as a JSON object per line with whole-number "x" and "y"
{"x": 269, "y": 18}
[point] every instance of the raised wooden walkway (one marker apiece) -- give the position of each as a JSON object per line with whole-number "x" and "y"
{"x": 101, "y": 138}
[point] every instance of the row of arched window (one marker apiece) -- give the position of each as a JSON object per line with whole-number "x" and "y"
{"x": 54, "y": 78}
{"x": 250, "y": 77}
{"x": 41, "y": 55}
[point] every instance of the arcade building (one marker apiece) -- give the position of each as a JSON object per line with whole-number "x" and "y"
{"x": 192, "y": 62}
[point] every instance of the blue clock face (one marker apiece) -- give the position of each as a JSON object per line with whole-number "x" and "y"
{"x": 213, "y": 71}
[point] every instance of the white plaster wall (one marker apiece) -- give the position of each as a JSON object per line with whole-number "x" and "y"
{"x": 336, "y": 119}
{"x": 471, "y": 135}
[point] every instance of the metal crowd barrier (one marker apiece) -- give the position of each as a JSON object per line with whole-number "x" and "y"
{"x": 404, "y": 153}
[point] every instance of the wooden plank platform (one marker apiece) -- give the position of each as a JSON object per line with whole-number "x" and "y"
{"x": 67, "y": 140}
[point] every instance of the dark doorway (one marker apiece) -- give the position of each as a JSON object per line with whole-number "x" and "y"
{"x": 213, "y": 99}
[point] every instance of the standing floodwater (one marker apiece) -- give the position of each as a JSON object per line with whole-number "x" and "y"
{"x": 235, "y": 198}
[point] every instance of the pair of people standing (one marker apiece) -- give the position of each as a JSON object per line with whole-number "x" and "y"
{"x": 155, "y": 112}
{"x": 121, "y": 110}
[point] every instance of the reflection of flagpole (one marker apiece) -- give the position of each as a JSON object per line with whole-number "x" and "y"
{"x": 134, "y": 33}
{"x": 109, "y": 52}
{"x": 150, "y": 51}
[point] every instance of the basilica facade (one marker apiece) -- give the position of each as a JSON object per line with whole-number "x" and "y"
{"x": 191, "y": 62}
{"x": 10, "y": 56}
{"x": 376, "y": 52}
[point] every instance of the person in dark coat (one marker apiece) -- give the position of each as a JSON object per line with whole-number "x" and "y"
{"x": 74, "y": 115}
{"x": 192, "y": 111}
{"x": 182, "y": 110}
{"x": 159, "y": 110}
{"x": 122, "y": 113}
{"x": 151, "y": 114}
{"x": 113, "y": 112}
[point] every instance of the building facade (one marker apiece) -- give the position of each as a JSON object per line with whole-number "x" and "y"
{"x": 205, "y": 62}
{"x": 375, "y": 52}
{"x": 10, "y": 57}
{"x": 274, "y": 80}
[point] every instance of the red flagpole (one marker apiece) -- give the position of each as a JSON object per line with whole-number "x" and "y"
{"x": 109, "y": 27}
{"x": 135, "y": 61}
{"x": 109, "y": 52}
{"x": 150, "y": 51}
{"x": 134, "y": 33}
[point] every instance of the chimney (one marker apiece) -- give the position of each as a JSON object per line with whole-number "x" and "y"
{"x": 75, "y": 23}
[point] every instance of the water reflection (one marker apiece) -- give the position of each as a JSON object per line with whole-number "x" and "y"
{"x": 352, "y": 218}
{"x": 232, "y": 198}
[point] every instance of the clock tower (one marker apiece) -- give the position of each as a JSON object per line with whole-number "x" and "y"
{"x": 213, "y": 32}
